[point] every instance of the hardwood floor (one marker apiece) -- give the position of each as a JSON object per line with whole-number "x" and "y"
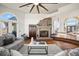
{"x": 63, "y": 45}
{"x": 27, "y": 41}
{"x": 48, "y": 41}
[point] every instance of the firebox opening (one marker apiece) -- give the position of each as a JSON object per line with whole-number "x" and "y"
{"x": 44, "y": 34}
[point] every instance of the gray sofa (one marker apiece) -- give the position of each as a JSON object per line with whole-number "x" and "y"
{"x": 9, "y": 52}
{"x": 9, "y": 41}
{"x": 69, "y": 52}
{"x": 16, "y": 45}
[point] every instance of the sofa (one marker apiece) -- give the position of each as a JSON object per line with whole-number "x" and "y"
{"x": 9, "y": 41}
{"x": 9, "y": 52}
{"x": 69, "y": 52}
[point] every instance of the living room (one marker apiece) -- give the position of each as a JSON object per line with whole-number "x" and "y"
{"x": 49, "y": 29}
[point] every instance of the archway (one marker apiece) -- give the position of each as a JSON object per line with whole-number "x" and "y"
{"x": 7, "y": 19}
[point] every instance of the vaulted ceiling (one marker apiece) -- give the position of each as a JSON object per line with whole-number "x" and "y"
{"x": 26, "y": 9}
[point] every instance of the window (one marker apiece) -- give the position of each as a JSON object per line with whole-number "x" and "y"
{"x": 71, "y": 24}
{"x": 8, "y": 16}
{"x": 2, "y": 25}
{"x": 3, "y": 28}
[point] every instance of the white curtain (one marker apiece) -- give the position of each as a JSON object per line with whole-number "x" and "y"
{"x": 56, "y": 25}
{"x": 2, "y": 25}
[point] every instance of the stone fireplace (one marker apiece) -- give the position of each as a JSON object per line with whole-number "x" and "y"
{"x": 43, "y": 31}
{"x": 44, "y": 27}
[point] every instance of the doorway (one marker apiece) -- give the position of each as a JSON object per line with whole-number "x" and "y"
{"x": 32, "y": 31}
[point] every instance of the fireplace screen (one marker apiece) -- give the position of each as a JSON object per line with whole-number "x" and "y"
{"x": 43, "y": 33}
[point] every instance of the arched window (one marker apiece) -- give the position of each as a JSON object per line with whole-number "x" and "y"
{"x": 71, "y": 24}
{"x": 8, "y": 16}
{"x": 5, "y": 25}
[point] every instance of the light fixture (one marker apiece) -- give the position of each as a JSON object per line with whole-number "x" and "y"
{"x": 36, "y": 3}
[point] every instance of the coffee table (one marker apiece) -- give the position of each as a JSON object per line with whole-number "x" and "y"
{"x": 38, "y": 45}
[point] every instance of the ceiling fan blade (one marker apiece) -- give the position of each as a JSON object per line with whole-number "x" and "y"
{"x": 32, "y": 8}
{"x": 43, "y": 7}
{"x": 38, "y": 9}
{"x": 25, "y": 5}
{"x": 49, "y": 3}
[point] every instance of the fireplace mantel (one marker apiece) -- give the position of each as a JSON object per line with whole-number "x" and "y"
{"x": 43, "y": 27}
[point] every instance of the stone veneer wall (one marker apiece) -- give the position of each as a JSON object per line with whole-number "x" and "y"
{"x": 44, "y": 25}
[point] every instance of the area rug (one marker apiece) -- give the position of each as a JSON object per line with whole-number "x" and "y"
{"x": 52, "y": 50}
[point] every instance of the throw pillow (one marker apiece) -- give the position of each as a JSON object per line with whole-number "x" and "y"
{"x": 9, "y": 38}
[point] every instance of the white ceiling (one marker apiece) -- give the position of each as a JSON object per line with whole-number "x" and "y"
{"x": 50, "y": 6}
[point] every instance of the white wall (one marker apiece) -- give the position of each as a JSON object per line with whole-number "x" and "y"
{"x": 33, "y": 19}
{"x": 20, "y": 19}
{"x": 66, "y": 12}
{"x": 63, "y": 13}
{"x": 23, "y": 20}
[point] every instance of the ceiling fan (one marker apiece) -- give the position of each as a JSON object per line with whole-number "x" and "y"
{"x": 37, "y": 6}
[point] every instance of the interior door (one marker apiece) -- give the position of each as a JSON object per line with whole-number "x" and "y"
{"x": 32, "y": 31}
